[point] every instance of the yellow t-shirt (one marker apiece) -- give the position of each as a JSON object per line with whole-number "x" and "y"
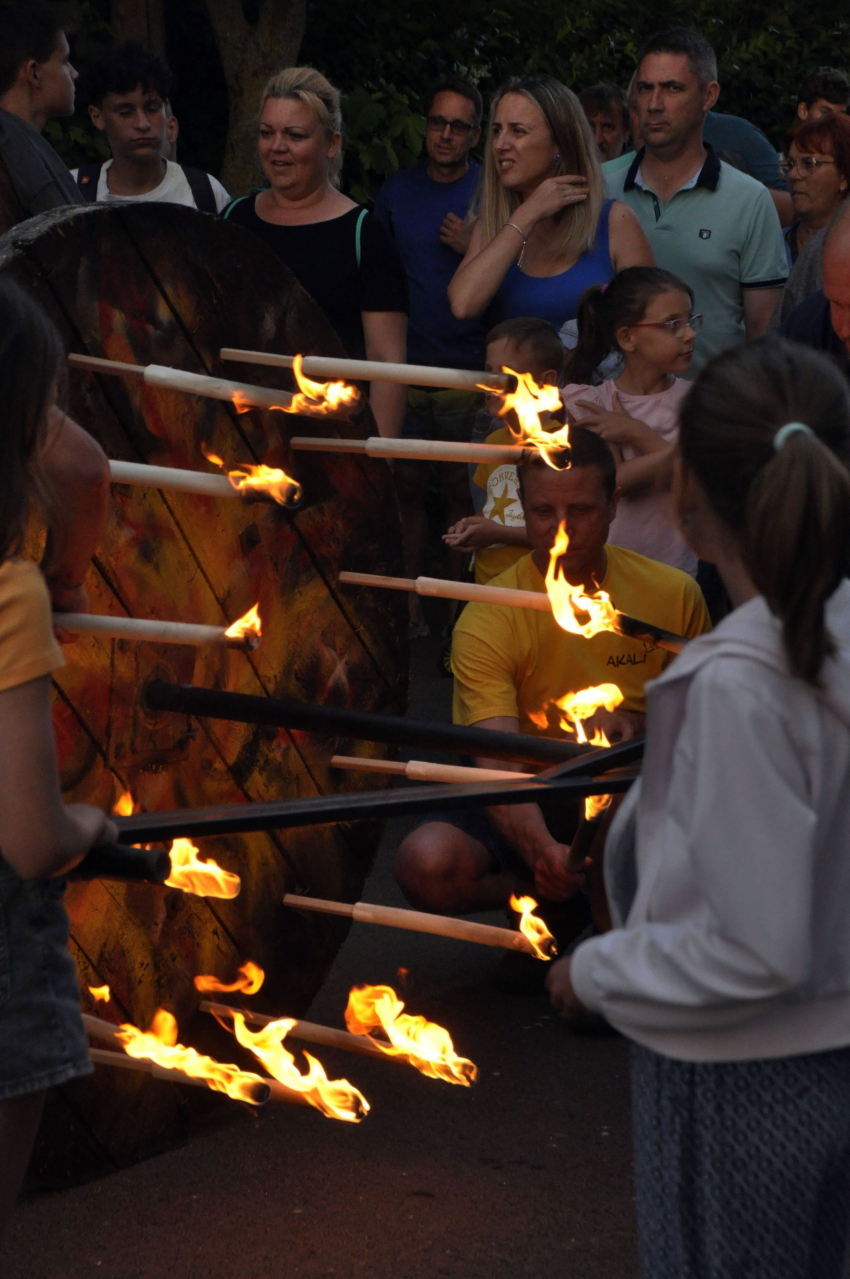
{"x": 499, "y": 481}
{"x": 28, "y": 647}
{"x": 515, "y": 661}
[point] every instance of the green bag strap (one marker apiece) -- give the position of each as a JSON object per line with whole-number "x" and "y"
{"x": 358, "y": 233}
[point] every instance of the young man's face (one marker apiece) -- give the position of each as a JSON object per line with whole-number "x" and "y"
{"x": 819, "y": 109}
{"x": 671, "y": 101}
{"x": 55, "y": 80}
{"x": 135, "y": 123}
{"x": 609, "y": 132}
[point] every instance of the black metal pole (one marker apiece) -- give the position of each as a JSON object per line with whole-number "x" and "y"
{"x": 338, "y": 722}
{"x": 231, "y": 819}
{"x": 123, "y": 861}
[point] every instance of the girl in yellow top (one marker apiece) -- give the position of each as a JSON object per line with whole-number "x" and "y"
{"x": 42, "y": 1041}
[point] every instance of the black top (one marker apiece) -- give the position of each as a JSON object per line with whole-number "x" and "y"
{"x": 810, "y": 323}
{"x": 324, "y": 258}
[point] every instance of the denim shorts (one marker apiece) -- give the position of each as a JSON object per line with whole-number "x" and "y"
{"x": 440, "y": 414}
{"x": 42, "y": 1040}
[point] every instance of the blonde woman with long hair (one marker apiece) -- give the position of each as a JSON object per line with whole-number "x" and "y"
{"x": 341, "y": 253}
{"x": 544, "y": 232}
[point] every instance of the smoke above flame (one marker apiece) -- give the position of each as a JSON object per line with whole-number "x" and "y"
{"x": 422, "y": 1043}
{"x": 249, "y": 981}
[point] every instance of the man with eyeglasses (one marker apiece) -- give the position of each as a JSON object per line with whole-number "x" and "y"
{"x": 424, "y": 208}
{"x": 706, "y": 221}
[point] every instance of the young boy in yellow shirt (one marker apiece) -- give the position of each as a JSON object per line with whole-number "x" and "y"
{"x": 497, "y": 535}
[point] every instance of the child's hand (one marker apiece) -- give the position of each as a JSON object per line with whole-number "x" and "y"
{"x": 615, "y": 426}
{"x": 473, "y": 533}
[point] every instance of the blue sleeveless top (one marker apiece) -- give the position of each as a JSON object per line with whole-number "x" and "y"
{"x": 555, "y": 297}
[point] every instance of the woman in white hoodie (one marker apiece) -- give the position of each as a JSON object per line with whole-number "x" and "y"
{"x": 728, "y": 866}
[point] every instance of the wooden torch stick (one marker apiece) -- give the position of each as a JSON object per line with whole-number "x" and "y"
{"x": 216, "y": 388}
{"x": 152, "y": 630}
{"x": 171, "y": 477}
{"x": 421, "y": 770}
{"x": 427, "y": 450}
{"x": 416, "y": 921}
{"x": 308, "y": 1031}
{"x": 319, "y": 366}
{"x": 443, "y": 588}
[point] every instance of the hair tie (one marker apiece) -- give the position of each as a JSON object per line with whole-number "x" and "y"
{"x": 604, "y": 287}
{"x": 785, "y": 432}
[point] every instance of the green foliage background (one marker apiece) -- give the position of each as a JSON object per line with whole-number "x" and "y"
{"x": 383, "y": 54}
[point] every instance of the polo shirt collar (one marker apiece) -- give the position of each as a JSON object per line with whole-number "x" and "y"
{"x": 708, "y": 176}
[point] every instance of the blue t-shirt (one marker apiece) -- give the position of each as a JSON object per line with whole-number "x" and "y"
{"x": 555, "y": 297}
{"x": 412, "y": 207}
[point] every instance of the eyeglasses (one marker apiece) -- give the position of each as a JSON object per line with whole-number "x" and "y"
{"x": 676, "y": 327}
{"x": 437, "y": 123}
{"x": 806, "y": 164}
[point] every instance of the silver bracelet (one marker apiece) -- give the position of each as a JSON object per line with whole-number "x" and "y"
{"x": 524, "y": 241}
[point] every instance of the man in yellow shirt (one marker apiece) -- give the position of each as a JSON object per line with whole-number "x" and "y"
{"x": 511, "y": 664}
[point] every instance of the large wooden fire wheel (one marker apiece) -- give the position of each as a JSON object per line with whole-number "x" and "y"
{"x": 161, "y": 284}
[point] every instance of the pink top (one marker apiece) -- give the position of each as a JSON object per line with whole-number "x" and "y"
{"x": 644, "y": 522}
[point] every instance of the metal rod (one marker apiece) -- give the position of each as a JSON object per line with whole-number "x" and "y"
{"x": 339, "y": 722}
{"x": 242, "y": 394}
{"x": 152, "y": 630}
{"x": 321, "y": 366}
{"x": 308, "y": 1031}
{"x": 124, "y": 861}
{"x": 324, "y": 810}
{"x": 444, "y": 588}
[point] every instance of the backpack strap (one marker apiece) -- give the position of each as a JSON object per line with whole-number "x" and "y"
{"x": 358, "y": 235}
{"x": 240, "y": 199}
{"x": 88, "y": 177}
{"x": 201, "y": 188}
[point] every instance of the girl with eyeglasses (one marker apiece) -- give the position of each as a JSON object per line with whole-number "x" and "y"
{"x": 644, "y": 316}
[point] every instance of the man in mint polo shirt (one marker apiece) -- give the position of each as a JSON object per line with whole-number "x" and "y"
{"x": 706, "y": 221}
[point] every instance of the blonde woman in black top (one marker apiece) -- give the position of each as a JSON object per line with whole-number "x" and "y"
{"x": 340, "y": 252}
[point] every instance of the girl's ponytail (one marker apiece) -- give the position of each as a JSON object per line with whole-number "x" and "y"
{"x": 766, "y": 430}
{"x": 594, "y": 340}
{"x": 605, "y": 309}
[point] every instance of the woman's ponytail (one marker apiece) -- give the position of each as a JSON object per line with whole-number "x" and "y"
{"x": 766, "y": 430}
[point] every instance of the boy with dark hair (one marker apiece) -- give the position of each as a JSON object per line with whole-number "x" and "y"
{"x": 823, "y": 92}
{"x": 36, "y": 85}
{"x": 607, "y": 109}
{"x": 497, "y": 534}
{"x": 128, "y": 89}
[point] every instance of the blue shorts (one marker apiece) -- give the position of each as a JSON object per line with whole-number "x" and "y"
{"x": 42, "y": 1040}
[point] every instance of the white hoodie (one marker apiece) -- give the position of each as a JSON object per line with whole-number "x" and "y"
{"x": 728, "y": 866}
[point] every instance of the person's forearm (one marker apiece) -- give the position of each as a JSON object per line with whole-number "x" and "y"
{"x": 523, "y": 826}
{"x": 76, "y": 474}
{"x": 476, "y": 282}
{"x": 388, "y": 403}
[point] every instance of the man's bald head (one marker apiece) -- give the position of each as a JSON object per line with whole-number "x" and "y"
{"x": 836, "y": 274}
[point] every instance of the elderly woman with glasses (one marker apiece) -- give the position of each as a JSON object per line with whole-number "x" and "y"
{"x": 818, "y": 172}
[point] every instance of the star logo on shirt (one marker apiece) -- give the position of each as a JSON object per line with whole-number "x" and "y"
{"x": 500, "y": 504}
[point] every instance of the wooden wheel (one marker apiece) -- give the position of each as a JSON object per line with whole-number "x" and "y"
{"x": 156, "y": 283}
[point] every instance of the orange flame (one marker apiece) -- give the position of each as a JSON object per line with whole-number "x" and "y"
{"x": 249, "y": 982}
{"x": 100, "y": 994}
{"x": 159, "y": 1044}
{"x": 575, "y": 707}
{"x": 425, "y": 1045}
{"x": 124, "y": 805}
{"x": 242, "y": 405}
{"x": 533, "y": 928}
{"x": 250, "y": 478}
{"x": 336, "y": 1098}
{"x": 568, "y": 601}
{"x": 530, "y": 401}
{"x": 204, "y": 879}
{"x": 317, "y": 398}
{"x": 595, "y": 805}
{"x": 247, "y": 625}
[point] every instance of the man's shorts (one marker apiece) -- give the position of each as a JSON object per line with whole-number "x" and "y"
{"x": 475, "y": 822}
{"x": 440, "y": 414}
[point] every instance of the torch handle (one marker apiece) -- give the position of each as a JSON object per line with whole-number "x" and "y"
{"x": 583, "y": 842}
{"x": 123, "y": 861}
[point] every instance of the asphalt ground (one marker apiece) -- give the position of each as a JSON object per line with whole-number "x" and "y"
{"x": 527, "y": 1174}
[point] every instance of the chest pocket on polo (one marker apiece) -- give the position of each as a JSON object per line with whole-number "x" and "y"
{"x": 704, "y": 234}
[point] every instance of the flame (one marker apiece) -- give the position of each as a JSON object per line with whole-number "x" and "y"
{"x": 425, "y": 1045}
{"x": 319, "y": 397}
{"x": 529, "y": 401}
{"x": 567, "y": 600}
{"x": 599, "y": 739}
{"x": 249, "y": 982}
{"x": 159, "y": 1044}
{"x": 336, "y": 1098}
{"x": 100, "y": 994}
{"x": 575, "y": 707}
{"x": 124, "y": 805}
{"x": 205, "y": 879}
{"x": 242, "y": 405}
{"x": 248, "y": 624}
{"x": 251, "y": 478}
{"x": 595, "y": 805}
{"x": 533, "y": 928}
